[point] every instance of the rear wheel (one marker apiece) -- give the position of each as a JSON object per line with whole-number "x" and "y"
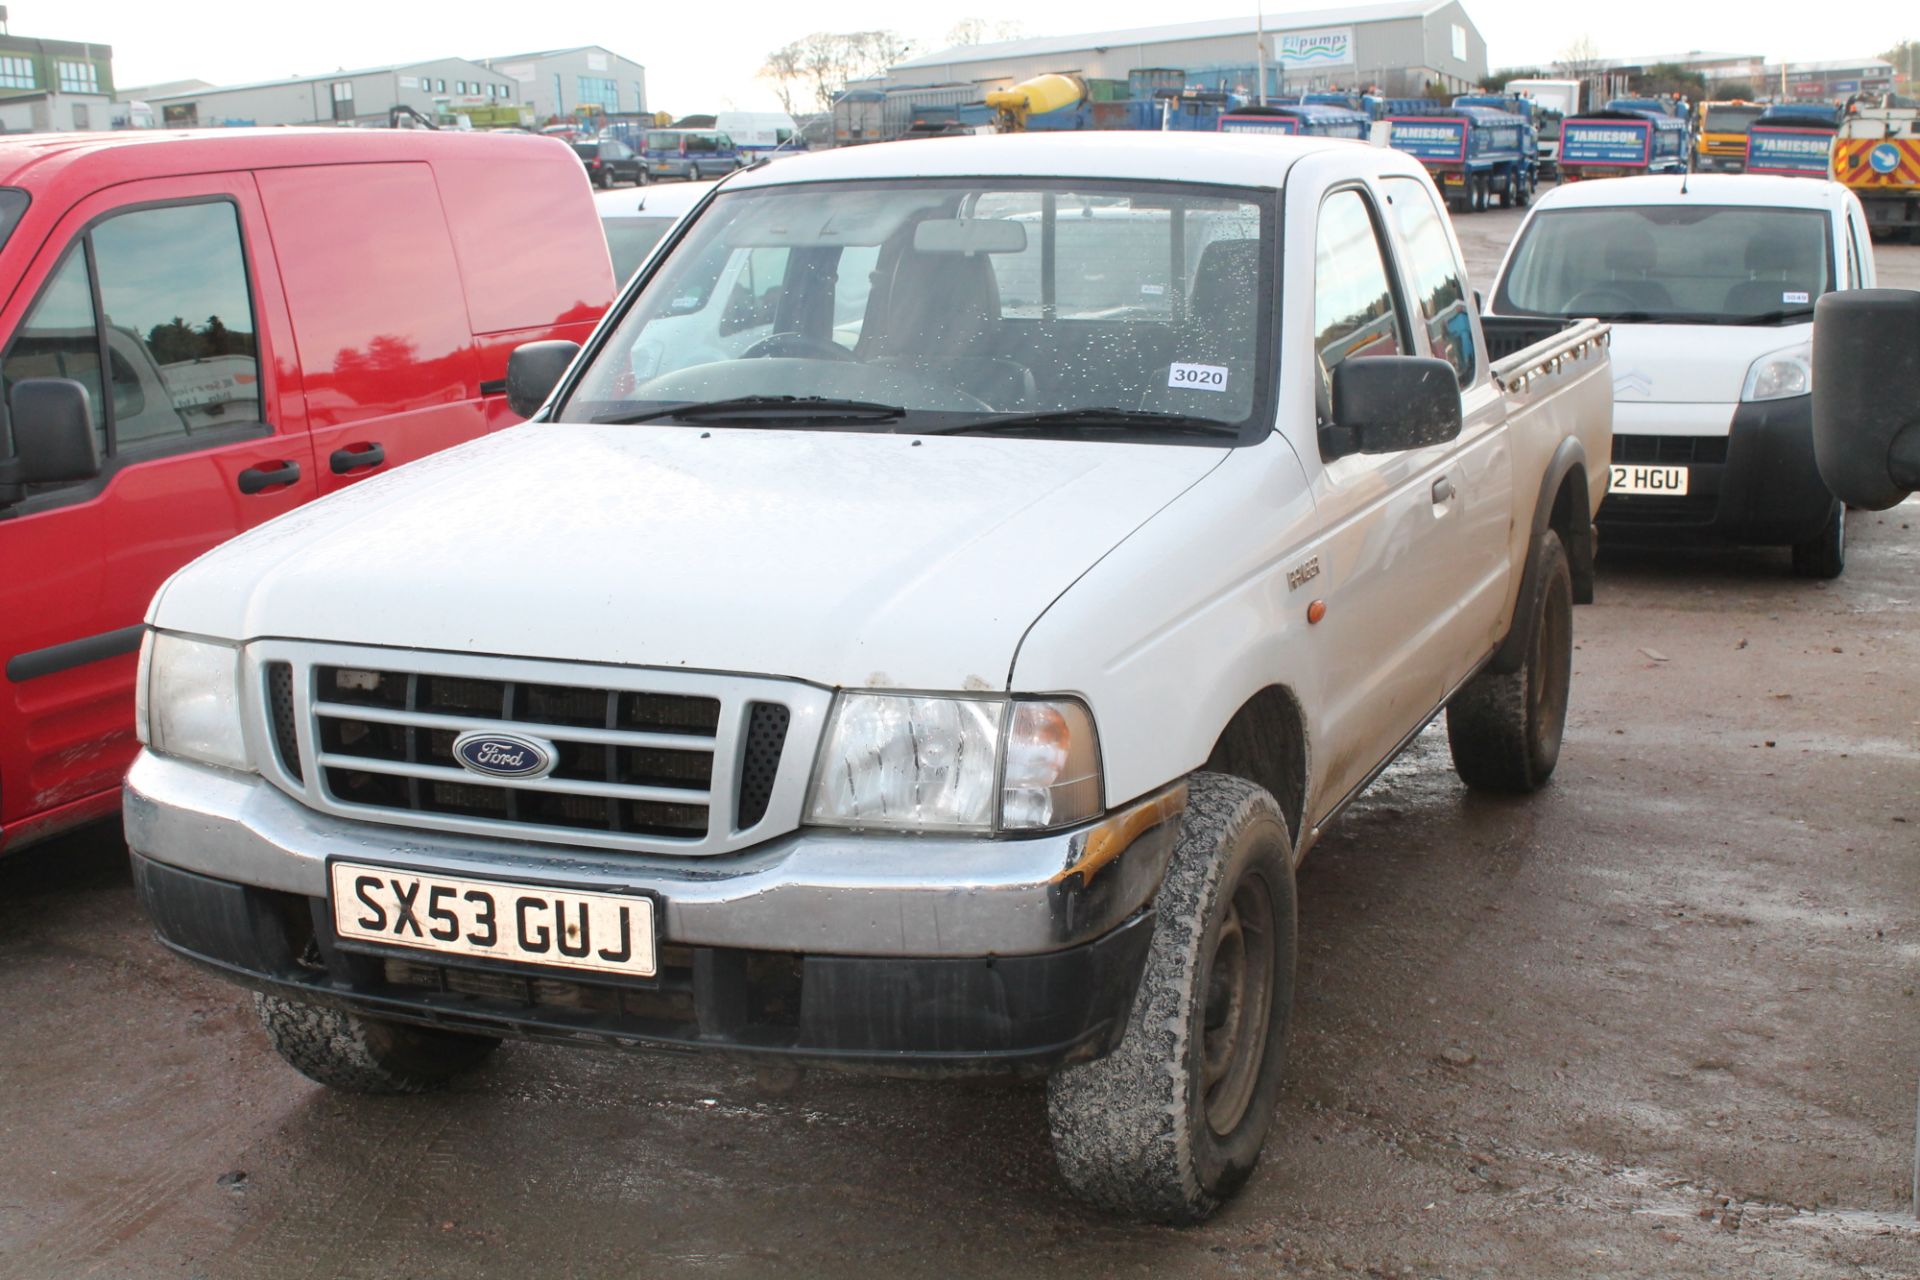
{"x": 693, "y": 173}
{"x": 1824, "y": 556}
{"x": 358, "y": 1054}
{"x": 1504, "y": 728}
{"x": 1170, "y": 1124}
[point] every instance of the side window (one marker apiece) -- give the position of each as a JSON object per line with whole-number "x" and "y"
{"x": 1439, "y": 283}
{"x": 175, "y": 318}
{"x": 1353, "y": 307}
{"x": 59, "y": 339}
{"x": 176, "y": 306}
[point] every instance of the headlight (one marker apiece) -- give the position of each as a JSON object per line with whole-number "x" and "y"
{"x": 188, "y": 702}
{"x": 1780, "y": 374}
{"x": 909, "y": 762}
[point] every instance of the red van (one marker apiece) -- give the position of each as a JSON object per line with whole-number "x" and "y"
{"x": 201, "y": 331}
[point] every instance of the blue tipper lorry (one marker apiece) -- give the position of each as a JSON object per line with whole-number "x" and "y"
{"x": 1475, "y": 154}
{"x": 1618, "y": 142}
{"x": 1298, "y": 119}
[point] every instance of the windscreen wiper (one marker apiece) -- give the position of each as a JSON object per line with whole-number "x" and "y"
{"x": 762, "y": 408}
{"x": 1773, "y": 317}
{"x": 1117, "y": 418}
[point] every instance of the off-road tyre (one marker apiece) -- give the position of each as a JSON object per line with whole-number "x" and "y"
{"x": 1144, "y": 1132}
{"x": 1504, "y": 727}
{"x": 357, "y": 1054}
{"x": 1825, "y": 555}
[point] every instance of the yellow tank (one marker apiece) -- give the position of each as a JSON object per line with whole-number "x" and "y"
{"x": 1036, "y": 96}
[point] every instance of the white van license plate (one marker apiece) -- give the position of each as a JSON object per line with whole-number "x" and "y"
{"x": 494, "y": 920}
{"x": 1668, "y": 482}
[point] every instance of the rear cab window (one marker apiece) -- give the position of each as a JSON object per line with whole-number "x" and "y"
{"x": 1439, "y": 280}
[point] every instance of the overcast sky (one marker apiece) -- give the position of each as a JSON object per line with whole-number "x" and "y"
{"x": 702, "y": 56}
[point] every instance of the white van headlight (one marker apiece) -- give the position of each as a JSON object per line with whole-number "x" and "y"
{"x": 188, "y": 700}
{"x": 918, "y": 762}
{"x": 1780, "y": 375}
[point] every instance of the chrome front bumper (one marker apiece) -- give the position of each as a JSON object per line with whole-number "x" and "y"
{"x": 813, "y": 891}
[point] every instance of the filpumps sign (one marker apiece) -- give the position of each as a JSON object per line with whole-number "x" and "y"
{"x": 1314, "y": 50}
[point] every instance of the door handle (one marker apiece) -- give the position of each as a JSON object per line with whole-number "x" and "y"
{"x": 356, "y": 457}
{"x": 257, "y": 479}
{"x": 1442, "y": 490}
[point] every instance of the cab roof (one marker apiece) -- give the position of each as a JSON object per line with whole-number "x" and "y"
{"x": 1220, "y": 159}
{"x": 125, "y": 155}
{"x": 1757, "y": 189}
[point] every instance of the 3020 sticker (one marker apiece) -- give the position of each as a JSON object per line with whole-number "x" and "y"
{"x": 1198, "y": 377}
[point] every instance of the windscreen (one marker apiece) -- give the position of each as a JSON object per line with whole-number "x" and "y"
{"x": 1675, "y": 264}
{"x": 630, "y": 240}
{"x": 957, "y": 302}
{"x": 1731, "y": 119}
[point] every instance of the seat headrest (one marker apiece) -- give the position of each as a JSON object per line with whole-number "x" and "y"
{"x": 1770, "y": 253}
{"x": 1227, "y": 280}
{"x": 1631, "y": 249}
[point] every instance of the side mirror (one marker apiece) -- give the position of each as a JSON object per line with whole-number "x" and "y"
{"x": 1387, "y": 404}
{"x": 53, "y": 439}
{"x": 533, "y": 371}
{"x": 1866, "y": 394}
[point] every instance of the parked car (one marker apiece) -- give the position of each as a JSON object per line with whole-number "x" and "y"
{"x": 635, "y": 221}
{"x": 691, "y": 153}
{"x": 282, "y": 314}
{"x": 1710, "y": 284}
{"x": 609, "y": 161}
{"x": 947, "y": 682}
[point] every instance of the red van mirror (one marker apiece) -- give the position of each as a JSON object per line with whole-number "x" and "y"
{"x": 53, "y": 440}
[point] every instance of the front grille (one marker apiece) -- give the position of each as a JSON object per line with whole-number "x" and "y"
{"x": 286, "y": 734}
{"x": 1678, "y": 451}
{"x": 686, "y": 766}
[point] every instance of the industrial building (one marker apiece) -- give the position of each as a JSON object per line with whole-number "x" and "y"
{"x": 1825, "y": 81}
{"x": 366, "y": 96}
{"x": 1401, "y": 49}
{"x": 54, "y": 84}
{"x": 560, "y": 82}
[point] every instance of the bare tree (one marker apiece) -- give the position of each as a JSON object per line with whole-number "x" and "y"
{"x": 781, "y": 71}
{"x": 970, "y": 31}
{"x": 1580, "y": 59}
{"x": 807, "y": 74}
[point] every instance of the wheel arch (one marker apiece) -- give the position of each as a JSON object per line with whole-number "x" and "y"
{"x": 1265, "y": 742}
{"x": 1564, "y": 507}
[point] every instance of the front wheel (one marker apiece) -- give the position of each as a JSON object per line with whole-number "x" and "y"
{"x": 358, "y": 1054}
{"x": 1504, "y": 727}
{"x": 1825, "y": 555}
{"x": 1169, "y": 1125}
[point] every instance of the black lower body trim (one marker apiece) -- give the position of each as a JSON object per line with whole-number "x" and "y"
{"x": 904, "y": 1015}
{"x": 74, "y": 653}
{"x": 1767, "y": 493}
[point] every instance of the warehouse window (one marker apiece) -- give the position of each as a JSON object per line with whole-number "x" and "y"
{"x": 342, "y": 99}
{"x": 17, "y": 73}
{"x": 600, "y": 92}
{"x": 79, "y": 77}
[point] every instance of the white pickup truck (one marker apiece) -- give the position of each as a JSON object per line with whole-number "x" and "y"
{"x": 922, "y": 631}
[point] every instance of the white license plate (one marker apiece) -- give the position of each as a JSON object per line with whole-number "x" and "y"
{"x": 1667, "y": 482}
{"x": 494, "y": 920}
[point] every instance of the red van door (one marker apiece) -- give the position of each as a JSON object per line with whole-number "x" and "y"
{"x": 160, "y": 298}
{"x": 388, "y": 363}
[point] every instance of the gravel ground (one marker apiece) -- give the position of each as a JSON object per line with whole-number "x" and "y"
{"x": 1658, "y": 1020}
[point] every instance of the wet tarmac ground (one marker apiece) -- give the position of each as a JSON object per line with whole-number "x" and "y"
{"x": 1659, "y": 1020}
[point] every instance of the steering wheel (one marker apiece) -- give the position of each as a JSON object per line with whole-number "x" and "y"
{"x": 1602, "y": 297}
{"x": 796, "y": 344}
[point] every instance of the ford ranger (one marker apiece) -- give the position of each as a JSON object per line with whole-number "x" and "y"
{"x": 922, "y": 630}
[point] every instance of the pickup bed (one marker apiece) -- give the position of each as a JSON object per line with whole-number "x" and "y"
{"x": 922, "y": 630}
